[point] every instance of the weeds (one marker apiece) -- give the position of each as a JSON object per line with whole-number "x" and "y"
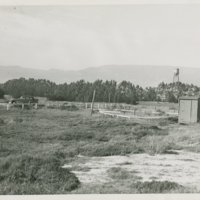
{"x": 126, "y": 163}
{"x": 41, "y": 175}
{"x": 142, "y": 131}
{"x": 54, "y": 136}
{"x": 77, "y": 135}
{"x": 157, "y": 145}
{"x": 156, "y": 187}
{"x": 109, "y": 149}
{"x": 2, "y": 122}
{"x": 118, "y": 173}
{"x": 69, "y": 107}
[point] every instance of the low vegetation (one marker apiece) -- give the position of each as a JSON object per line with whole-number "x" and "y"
{"x": 35, "y": 175}
{"x": 34, "y": 144}
{"x": 118, "y": 173}
{"x": 157, "y": 187}
{"x": 123, "y": 181}
{"x": 1, "y": 93}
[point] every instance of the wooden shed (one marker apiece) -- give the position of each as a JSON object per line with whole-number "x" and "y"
{"x": 189, "y": 109}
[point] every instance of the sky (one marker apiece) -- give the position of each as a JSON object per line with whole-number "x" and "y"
{"x": 77, "y": 37}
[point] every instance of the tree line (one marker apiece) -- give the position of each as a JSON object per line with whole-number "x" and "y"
{"x": 106, "y": 91}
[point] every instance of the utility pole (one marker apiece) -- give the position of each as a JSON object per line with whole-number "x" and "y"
{"x": 92, "y": 106}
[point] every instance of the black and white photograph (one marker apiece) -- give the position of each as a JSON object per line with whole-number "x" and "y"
{"x": 100, "y": 98}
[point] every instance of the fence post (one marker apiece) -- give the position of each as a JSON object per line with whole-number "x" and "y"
{"x": 92, "y": 104}
{"x": 8, "y": 106}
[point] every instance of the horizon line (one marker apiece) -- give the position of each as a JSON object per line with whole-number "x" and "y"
{"x": 99, "y": 66}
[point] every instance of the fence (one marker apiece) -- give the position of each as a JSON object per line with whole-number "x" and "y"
{"x": 140, "y": 110}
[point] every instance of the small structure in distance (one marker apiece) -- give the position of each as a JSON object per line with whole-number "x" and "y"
{"x": 23, "y": 100}
{"x": 189, "y": 109}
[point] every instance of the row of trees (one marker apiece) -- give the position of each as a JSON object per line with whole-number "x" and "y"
{"x": 1, "y": 93}
{"x": 106, "y": 91}
{"x": 170, "y": 92}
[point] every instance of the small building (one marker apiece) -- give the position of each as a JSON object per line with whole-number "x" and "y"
{"x": 189, "y": 109}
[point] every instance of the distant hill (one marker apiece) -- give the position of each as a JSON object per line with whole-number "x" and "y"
{"x": 141, "y": 75}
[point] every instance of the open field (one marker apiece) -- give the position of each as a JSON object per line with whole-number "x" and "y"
{"x": 57, "y": 151}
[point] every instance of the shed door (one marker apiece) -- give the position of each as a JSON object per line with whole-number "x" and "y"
{"x": 194, "y": 109}
{"x": 185, "y": 111}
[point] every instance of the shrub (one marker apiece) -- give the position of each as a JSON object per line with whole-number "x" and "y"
{"x": 2, "y": 122}
{"x": 51, "y": 106}
{"x": 69, "y": 107}
{"x": 77, "y": 135}
{"x": 143, "y": 130}
{"x": 156, "y": 186}
{"x": 173, "y": 119}
{"x": 160, "y": 112}
{"x": 157, "y": 144}
{"x": 118, "y": 173}
{"x": 109, "y": 149}
{"x": 35, "y": 175}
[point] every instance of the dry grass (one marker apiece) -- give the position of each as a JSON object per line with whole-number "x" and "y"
{"x": 69, "y": 133}
{"x": 35, "y": 175}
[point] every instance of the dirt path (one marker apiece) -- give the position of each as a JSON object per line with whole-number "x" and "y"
{"x": 182, "y": 168}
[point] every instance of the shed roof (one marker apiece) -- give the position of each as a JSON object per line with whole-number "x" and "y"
{"x": 189, "y": 98}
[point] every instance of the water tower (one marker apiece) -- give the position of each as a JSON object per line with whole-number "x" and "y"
{"x": 176, "y": 75}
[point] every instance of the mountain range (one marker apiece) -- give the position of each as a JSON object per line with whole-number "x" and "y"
{"x": 142, "y": 75}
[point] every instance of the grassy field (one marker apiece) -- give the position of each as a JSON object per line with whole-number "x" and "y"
{"x": 35, "y": 144}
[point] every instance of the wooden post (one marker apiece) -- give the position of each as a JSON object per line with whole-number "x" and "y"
{"x": 109, "y": 97}
{"x": 22, "y": 106}
{"x": 8, "y": 106}
{"x": 86, "y": 106}
{"x": 36, "y": 106}
{"x": 92, "y": 105}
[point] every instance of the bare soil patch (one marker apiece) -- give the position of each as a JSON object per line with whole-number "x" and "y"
{"x": 182, "y": 168}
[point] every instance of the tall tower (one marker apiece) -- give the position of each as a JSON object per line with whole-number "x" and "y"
{"x": 176, "y": 75}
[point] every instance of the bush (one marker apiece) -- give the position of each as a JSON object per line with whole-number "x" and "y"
{"x": 69, "y": 107}
{"x": 35, "y": 175}
{"x": 156, "y": 186}
{"x": 173, "y": 119}
{"x": 2, "y": 122}
{"x": 141, "y": 131}
{"x": 77, "y": 135}
{"x": 109, "y": 149}
{"x": 118, "y": 173}
{"x": 157, "y": 145}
